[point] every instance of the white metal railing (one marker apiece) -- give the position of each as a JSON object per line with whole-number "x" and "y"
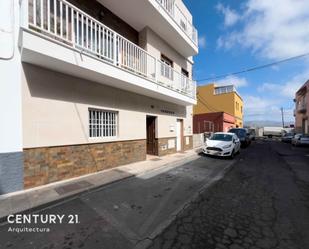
{"x": 224, "y": 89}
{"x": 63, "y": 22}
{"x": 180, "y": 18}
{"x": 170, "y": 78}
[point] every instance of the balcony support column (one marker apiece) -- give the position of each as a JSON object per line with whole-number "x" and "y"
{"x": 24, "y": 13}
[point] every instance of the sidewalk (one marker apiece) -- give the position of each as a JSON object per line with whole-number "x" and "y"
{"x": 45, "y": 195}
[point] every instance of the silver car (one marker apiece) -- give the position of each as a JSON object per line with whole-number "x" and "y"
{"x": 300, "y": 139}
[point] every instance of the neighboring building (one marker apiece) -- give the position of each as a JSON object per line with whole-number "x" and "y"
{"x": 301, "y": 112}
{"x": 212, "y": 122}
{"x": 90, "y": 85}
{"x": 219, "y": 99}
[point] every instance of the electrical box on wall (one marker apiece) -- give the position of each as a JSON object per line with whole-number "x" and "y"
{"x": 172, "y": 128}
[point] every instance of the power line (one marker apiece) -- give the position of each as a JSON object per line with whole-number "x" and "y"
{"x": 255, "y": 68}
{"x": 206, "y": 104}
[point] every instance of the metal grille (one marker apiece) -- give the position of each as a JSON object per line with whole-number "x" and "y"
{"x": 214, "y": 148}
{"x": 102, "y": 123}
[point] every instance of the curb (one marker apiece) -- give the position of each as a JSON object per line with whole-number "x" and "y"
{"x": 69, "y": 197}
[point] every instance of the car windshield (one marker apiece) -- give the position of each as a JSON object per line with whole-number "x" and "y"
{"x": 222, "y": 137}
{"x": 239, "y": 133}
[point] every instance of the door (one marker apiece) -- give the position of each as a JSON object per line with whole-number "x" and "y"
{"x": 179, "y": 131}
{"x": 151, "y": 135}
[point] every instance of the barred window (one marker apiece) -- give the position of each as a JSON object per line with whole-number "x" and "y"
{"x": 102, "y": 123}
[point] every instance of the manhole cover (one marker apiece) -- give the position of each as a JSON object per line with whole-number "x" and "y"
{"x": 72, "y": 187}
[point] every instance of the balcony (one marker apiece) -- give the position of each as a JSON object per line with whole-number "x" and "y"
{"x": 224, "y": 89}
{"x": 302, "y": 107}
{"x": 168, "y": 19}
{"x": 59, "y": 36}
{"x": 180, "y": 18}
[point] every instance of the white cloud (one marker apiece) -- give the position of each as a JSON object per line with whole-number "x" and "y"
{"x": 272, "y": 29}
{"x": 287, "y": 89}
{"x": 202, "y": 41}
{"x": 230, "y": 16}
{"x": 233, "y": 80}
{"x": 268, "y": 87}
{"x": 261, "y": 108}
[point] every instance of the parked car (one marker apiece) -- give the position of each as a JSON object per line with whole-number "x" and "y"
{"x": 300, "y": 139}
{"x": 222, "y": 144}
{"x": 252, "y": 134}
{"x": 287, "y": 137}
{"x": 243, "y": 136}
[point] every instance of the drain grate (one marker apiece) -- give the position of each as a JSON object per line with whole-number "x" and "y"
{"x": 155, "y": 159}
{"x": 72, "y": 187}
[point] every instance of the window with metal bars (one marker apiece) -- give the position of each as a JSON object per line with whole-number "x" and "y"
{"x": 102, "y": 123}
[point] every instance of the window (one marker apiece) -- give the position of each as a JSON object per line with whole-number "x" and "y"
{"x": 102, "y": 123}
{"x": 167, "y": 67}
{"x": 185, "y": 80}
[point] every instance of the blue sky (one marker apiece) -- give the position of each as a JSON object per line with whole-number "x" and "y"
{"x": 236, "y": 35}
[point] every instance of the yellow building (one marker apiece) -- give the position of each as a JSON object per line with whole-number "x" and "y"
{"x": 212, "y": 98}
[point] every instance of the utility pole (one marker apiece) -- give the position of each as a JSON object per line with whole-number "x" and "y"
{"x": 282, "y": 116}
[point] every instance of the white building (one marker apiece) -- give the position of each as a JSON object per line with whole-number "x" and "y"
{"x": 90, "y": 85}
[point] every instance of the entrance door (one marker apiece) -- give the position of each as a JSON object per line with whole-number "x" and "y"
{"x": 151, "y": 135}
{"x": 179, "y": 131}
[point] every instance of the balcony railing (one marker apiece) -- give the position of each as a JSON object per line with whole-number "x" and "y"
{"x": 63, "y": 22}
{"x": 170, "y": 78}
{"x": 224, "y": 89}
{"x": 180, "y": 18}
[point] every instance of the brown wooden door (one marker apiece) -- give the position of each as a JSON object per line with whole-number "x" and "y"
{"x": 151, "y": 135}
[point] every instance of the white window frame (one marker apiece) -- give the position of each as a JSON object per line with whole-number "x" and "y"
{"x": 102, "y": 124}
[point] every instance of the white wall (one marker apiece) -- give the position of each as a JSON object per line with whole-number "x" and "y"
{"x": 10, "y": 87}
{"x": 55, "y": 110}
{"x": 156, "y": 46}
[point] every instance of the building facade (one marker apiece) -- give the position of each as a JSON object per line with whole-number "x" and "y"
{"x": 213, "y": 122}
{"x": 223, "y": 100}
{"x": 301, "y": 112}
{"x": 90, "y": 85}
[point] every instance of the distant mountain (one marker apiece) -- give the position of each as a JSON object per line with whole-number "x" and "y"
{"x": 265, "y": 123}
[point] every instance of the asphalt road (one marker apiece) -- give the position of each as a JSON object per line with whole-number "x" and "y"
{"x": 121, "y": 215}
{"x": 262, "y": 203}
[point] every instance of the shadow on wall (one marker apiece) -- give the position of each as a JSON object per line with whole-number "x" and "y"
{"x": 47, "y": 84}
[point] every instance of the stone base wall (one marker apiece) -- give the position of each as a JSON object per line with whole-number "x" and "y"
{"x": 188, "y": 143}
{"x": 51, "y": 164}
{"x": 165, "y": 146}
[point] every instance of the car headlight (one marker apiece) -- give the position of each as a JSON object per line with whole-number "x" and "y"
{"x": 227, "y": 146}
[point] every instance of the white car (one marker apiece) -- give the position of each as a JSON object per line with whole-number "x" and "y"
{"x": 300, "y": 139}
{"x": 223, "y": 144}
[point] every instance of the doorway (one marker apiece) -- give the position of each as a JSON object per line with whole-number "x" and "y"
{"x": 151, "y": 135}
{"x": 179, "y": 135}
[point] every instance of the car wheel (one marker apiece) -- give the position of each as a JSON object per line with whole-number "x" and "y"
{"x": 233, "y": 154}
